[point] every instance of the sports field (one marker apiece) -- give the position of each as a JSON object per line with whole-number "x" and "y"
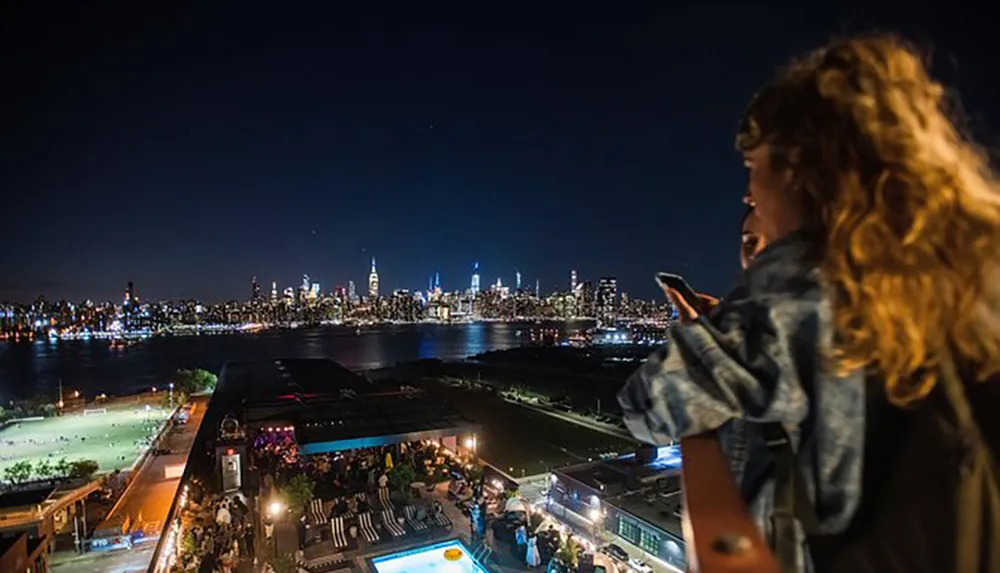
{"x": 113, "y": 439}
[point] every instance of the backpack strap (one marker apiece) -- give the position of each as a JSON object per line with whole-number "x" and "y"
{"x": 792, "y": 506}
{"x": 953, "y": 389}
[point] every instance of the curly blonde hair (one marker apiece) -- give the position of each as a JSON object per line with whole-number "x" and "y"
{"x": 905, "y": 209}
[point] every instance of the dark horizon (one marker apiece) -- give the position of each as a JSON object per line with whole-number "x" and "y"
{"x": 189, "y": 149}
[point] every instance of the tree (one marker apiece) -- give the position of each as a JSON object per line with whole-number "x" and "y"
{"x": 194, "y": 381}
{"x": 83, "y": 469}
{"x": 19, "y": 472}
{"x": 299, "y": 492}
{"x": 189, "y": 545}
{"x": 284, "y": 563}
{"x": 62, "y": 467}
{"x": 475, "y": 474}
{"x": 569, "y": 553}
{"x": 401, "y": 476}
{"x": 49, "y": 410}
{"x": 43, "y": 469}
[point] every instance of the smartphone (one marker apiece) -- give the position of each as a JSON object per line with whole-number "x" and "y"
{"x": 677, "y": 282}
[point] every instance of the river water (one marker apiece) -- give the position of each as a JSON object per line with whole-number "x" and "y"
{"x": 32, "y": 369}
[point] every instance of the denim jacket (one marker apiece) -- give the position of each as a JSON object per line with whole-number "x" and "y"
{"x": 758, "y": 359}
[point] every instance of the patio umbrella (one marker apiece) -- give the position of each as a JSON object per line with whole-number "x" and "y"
{"x": 388, "y": 461}
{"x": 515, "y": 504}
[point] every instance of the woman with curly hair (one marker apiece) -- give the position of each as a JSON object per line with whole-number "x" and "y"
{"x": 880, "y": 272}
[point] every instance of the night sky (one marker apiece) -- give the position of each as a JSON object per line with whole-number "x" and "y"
{"x": 190, "y": 149}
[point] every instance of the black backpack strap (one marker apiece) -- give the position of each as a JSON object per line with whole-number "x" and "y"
{"x": 792, "y": 506}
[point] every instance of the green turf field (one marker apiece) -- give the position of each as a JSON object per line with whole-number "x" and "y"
{"x": 109, "y": 439}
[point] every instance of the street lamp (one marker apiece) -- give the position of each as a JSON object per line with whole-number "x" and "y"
{"x": 274, "y": 508}
{"x": 274, "y": 511}
{"x": 171, "y": 395}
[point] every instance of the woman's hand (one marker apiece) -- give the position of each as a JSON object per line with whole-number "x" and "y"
{"x": 685, "y": 311}
{"x": 708, "y": 303}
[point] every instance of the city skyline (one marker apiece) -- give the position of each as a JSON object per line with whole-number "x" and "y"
{"x": 190, "y": 150}
{"x": 314, "y": 283}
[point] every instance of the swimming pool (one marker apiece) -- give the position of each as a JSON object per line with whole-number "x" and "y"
{"x": 430, "y": 559}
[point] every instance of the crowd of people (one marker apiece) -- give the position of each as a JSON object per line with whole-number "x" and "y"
{"x": 346, "y": 473}
{"x": 219, "y": 532}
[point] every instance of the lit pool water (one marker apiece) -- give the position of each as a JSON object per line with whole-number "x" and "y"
{"x": 429, "y": 559}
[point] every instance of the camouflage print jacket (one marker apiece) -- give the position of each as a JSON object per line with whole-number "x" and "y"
{"x": 758, "y": 359}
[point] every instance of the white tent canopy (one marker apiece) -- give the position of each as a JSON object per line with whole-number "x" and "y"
{"x": 516, "y": 504}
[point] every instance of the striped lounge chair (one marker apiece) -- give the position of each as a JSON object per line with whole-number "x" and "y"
{"x": 410, "y": 515}
{"x": 391, "y": 525}
{"x": 442, "y": 519}
{"x": 383, "y": 497}
{"x": 315, "y": 510}
{"x": 338, "y": 532}
{"x": 367, "y": 528}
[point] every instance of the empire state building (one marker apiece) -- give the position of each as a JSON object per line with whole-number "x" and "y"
{"x": 373, "y": 281}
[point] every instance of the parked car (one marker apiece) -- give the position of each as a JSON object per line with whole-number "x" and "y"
{"x": 616, "y": 552}
{"x": 639, "y": 565}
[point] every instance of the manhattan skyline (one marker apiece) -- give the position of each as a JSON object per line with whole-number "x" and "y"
{"x": 189, "y": 150}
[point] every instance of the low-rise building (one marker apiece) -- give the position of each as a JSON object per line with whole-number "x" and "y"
{"x": 636, "y": 497}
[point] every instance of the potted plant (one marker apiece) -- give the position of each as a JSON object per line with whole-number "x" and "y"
{"x": 566, "y": 559}
{"x": 400, "y": 478}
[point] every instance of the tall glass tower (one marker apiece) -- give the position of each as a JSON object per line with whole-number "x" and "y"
{"x": 373, "y": 281}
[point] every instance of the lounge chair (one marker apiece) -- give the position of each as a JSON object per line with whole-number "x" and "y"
{"x": 410, "y": 514}
{"x": 326, "y": 564}
{"x": 391, "y": 525}
{"x": 442, "y": 519}
{"x": 366, "y": 527}
{"x": 317, "y": 513}
{"x": 383, "y": 498}
{"x": 338, "y": 533}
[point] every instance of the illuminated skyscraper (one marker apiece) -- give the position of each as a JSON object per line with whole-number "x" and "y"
{"x": 517, "y": 281}
{"x": 274, "y": 291}
{"x": 304, "y": 289}
{"x": 607, "y": 292}
{"x": 537, "y": 289}
{"x": 254, "y": 291}
{"x": 437, "y": 281}
{"x": 475, "y": 278}
{"x": 373, "y": 281}
{"x": 352, "y": 291}
{"x": 572, "y": 281}
{"x": 129, "y": 306}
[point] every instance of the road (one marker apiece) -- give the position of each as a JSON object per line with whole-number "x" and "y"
{"x": 578, "y": 419}
{"x": 147, "y": 500}
{"x": 135, "y": 560}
